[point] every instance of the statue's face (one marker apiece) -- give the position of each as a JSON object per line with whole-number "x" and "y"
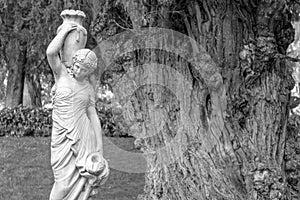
{"x": 79, "y": 71}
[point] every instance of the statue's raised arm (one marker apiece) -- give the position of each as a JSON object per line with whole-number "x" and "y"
{"x": 71, "y": 36}
{"x": 55, "y": 48}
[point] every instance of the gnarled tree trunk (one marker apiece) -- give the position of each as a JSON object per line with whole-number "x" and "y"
{"x": 211, "y": 121}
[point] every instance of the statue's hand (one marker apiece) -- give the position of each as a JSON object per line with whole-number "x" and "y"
{"x": 68, "y": 27}
{"x": 105, "y": 173}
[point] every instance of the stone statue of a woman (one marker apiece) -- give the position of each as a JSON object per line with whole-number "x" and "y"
{"x": 76, "y": 142}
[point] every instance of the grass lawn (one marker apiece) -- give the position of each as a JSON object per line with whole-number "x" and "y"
{"x": 25, "y": 172}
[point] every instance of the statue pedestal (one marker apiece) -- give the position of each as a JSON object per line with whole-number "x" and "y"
{"x": 76, "y": 39}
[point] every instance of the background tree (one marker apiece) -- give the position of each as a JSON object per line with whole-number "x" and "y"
{"x": 27, "y": 27}
{"x": 2, "y": 82}
{"x": 24, "y": 39}
{"x": 232, "y": 139}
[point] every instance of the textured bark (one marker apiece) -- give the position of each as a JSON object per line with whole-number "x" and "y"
{"x": 218, "y": 130}
{"x": 32, "y": 91}
{"x": 16, "y": 65}
{"x": 292, "y": 156}
{"x": 244, "y": 42}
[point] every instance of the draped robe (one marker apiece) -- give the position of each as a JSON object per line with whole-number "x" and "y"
{"x": 73, "y": 139}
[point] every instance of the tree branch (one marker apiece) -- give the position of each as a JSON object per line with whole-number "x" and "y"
{"x": 281, "y": 56}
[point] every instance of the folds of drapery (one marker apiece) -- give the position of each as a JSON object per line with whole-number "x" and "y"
{"x": 72, "y": 140}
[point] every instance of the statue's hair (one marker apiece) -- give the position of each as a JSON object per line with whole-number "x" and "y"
{"x": 85, "y": 57}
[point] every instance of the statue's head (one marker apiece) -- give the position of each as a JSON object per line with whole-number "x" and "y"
{"x": 86, "y": 58}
